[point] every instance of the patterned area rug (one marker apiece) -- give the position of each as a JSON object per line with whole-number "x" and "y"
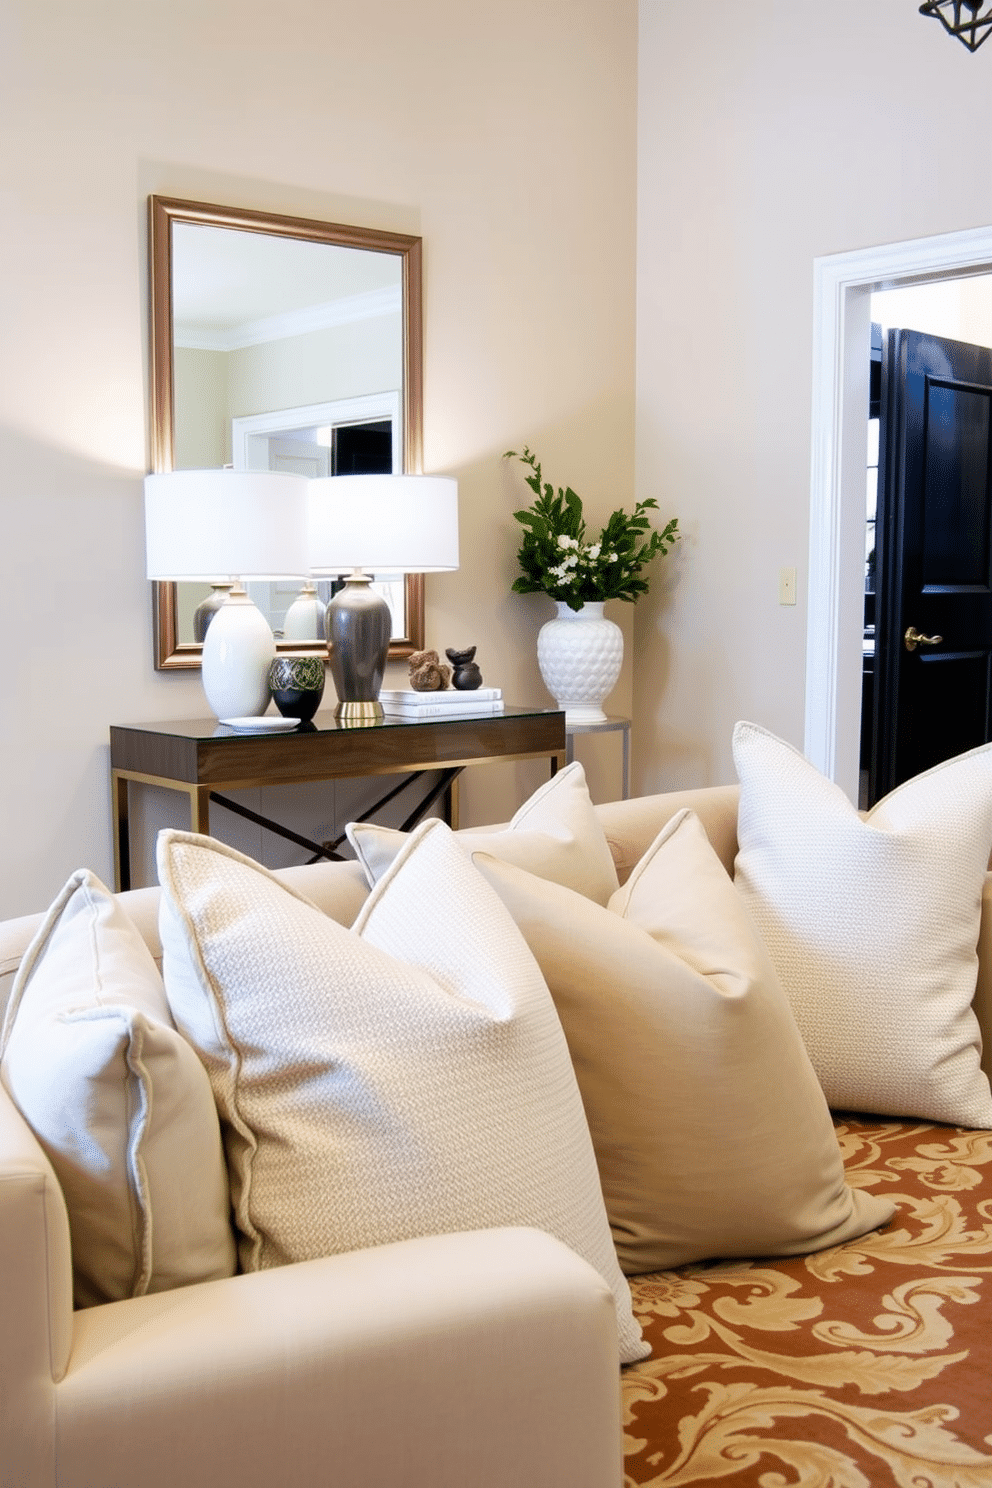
{"x": 865, "y": 1366}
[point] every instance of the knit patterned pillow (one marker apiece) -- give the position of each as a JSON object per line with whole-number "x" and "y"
{"x": 872, "y": 924}
{"x": 406, "y": 1077}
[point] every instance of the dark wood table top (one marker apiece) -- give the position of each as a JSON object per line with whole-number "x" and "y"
{"x": 203, "y": 751}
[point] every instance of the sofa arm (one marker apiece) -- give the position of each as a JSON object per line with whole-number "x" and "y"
{"x": 35, "y": 1300}
{"x": 487, "y": 1358}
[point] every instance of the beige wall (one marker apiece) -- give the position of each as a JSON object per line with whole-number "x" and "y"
{"x": 504, "y": 135}
{"x": 212, "y": 387}
{"x": 343, "y": 361}
{"x": 786, "y": 133}
{"x": 202, "y": 424}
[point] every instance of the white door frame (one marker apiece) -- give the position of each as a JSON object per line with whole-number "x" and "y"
{"x": 843, "y": 283}
{"x": 363, "y": 409}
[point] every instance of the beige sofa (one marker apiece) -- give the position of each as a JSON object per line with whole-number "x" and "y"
{"x": 475, "y": 1359}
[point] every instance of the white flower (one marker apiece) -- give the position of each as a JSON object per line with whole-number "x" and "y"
{"x": 564, "y": 541}
{"x": 594, "y": 552}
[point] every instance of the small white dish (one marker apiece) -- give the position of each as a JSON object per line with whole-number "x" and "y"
{"x": 261, "y": 725}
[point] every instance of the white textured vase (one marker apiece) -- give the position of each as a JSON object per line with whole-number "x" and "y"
{"x": 580, "y": 655}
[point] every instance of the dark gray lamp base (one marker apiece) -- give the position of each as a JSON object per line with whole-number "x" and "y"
{"x": 359, "y": 626}
{"x": 207, "y": 609}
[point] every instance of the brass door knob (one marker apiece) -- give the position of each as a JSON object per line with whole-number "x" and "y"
{"x": 913, "y": 638}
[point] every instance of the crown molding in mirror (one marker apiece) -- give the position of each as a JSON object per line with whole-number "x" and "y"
{"x": 170, "y": 652}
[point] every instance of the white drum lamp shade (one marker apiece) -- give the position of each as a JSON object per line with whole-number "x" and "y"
{"x": 374, "y": 524}
{"x": 222, "y": 526}
{"x": 383, "y": 524}
{"x": 216, "y": 526}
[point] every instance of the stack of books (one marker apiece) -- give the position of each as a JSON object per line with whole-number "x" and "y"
{"x": 404, "y": 702}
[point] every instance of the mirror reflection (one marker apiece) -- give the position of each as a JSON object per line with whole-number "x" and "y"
{"x": 286, "y": 349}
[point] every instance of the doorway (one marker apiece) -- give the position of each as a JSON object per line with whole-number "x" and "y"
{"x": 931, "y": 410}
{"x": 843, "y": 284}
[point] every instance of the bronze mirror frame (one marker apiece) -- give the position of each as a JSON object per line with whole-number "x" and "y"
{"x": 170, "y": 652}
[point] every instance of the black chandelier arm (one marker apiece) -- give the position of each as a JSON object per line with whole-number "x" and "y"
{"x": 972, "y": 29}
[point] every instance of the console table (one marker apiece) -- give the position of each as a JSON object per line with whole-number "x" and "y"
{"x": 202, "y": 758}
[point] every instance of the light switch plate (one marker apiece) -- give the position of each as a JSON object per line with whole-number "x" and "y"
{"x": 787, "y": 586}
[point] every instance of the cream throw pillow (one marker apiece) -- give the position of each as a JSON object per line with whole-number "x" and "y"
{"x": 407, "y": 1077}
{"x": 872, "y": 924}
{"x": 119, "y": 1101}
{"x": 711, "y": 1132}
{"x": 555, "y": 834}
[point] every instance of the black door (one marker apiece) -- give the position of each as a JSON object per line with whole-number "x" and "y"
{"x": 933, "y": 621}
{"x": 362, "y": 449}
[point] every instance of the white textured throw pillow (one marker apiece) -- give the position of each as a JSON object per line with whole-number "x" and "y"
{"x": 872, "y": 924}
{"x": 119, "y": 1101}
{"x": 406, "y": 1077}
{"x": 712, "y": 1135}
{"x": 555, "y": 834}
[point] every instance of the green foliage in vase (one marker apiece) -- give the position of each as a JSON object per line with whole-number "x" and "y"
{"x": 557, "y": 558}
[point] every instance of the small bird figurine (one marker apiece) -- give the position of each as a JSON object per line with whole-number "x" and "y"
{"x": 466, "y": 676}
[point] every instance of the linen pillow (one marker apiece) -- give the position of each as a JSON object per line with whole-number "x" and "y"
{"x": 406, "y": 1077}
{"x": 555, "y": 834}
{"x": 872, "y": 924}
{"x": 119, "y": 1102}
{"x": 712, "y": 1135}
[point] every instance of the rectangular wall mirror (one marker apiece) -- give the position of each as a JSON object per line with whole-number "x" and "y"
{"x": 288, "y": 344}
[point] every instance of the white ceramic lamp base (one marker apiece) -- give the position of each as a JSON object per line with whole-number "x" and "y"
{"x": 305, "y": 617}
{"x": 238, "y": 650}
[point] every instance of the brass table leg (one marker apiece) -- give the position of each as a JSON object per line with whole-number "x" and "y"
{"x": 199, "y": 816}
{"x": 199, "y": 809}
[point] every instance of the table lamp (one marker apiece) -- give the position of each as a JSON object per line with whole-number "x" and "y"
{"x": 219, "y": 527}
{"x": 369, "y": 524}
